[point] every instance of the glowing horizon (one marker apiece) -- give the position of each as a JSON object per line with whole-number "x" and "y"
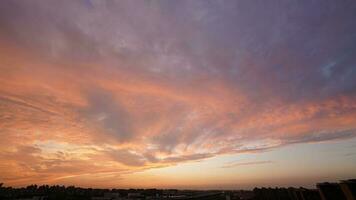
{"x": 185, "y": 94}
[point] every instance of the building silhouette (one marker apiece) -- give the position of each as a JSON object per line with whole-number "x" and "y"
{"x": 331, "y": 191}
{"x": 349, "y": 189}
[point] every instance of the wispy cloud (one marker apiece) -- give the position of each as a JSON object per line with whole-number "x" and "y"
{"x": 236, "y": 164}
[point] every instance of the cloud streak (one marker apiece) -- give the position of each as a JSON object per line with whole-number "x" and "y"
{"x": 236, "y": 164}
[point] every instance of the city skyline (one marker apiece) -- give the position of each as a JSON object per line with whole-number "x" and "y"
{"x": 177, "y": 94}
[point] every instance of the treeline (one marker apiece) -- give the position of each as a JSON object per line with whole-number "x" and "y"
{"x": 57, "y": 192}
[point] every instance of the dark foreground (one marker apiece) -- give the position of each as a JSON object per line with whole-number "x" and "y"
{"x": 345, "y": 190}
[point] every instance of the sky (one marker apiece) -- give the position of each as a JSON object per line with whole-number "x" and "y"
{"x": 177, "y": 94}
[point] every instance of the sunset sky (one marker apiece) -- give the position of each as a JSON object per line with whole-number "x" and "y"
{"x": 178, "y": 93}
